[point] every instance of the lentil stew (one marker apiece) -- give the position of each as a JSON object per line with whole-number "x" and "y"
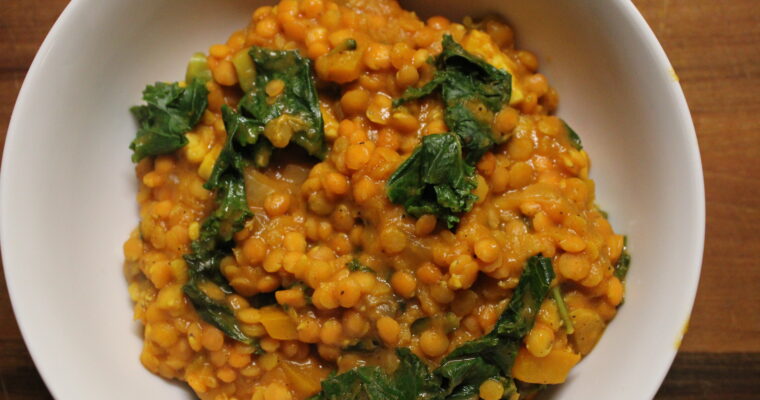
{"x": 345, "y": 201}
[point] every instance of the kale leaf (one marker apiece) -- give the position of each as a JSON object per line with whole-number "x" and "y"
{"x": 438, "y": 178}
{"x": 215, "y": 313}
{"x": 472, "y": 91}
{"x": 575, "y": 140}
{"x": 170, "y": 111}
{"x": 293, "y": 114}
{"x": 463, "y": 371}
{"x": 412, "y": 380}
{"x": 354, "y": 265}
{"x": 624, "y": 262}
{"x": 360, "y": 383}
{"x": 216, "y": 237}
{"x": 462, "y": 378}
{"x": 434, "y": 180}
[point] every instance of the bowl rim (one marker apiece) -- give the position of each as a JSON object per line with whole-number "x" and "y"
{"x": 44, "y": 369}
{"x": 644, "y": 33}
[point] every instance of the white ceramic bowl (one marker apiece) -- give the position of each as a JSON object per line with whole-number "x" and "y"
{"x": 68, "y": 188}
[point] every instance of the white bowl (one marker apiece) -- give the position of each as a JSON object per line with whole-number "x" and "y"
{"x": 68, "y": 188}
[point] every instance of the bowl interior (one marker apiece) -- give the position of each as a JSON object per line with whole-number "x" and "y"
{"x": 68, "y": 187}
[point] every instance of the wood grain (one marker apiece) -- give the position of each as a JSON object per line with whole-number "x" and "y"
{"x": 23, "y": 26}
{"x": 714, "y": 47}
{"x": 712, "y": 376}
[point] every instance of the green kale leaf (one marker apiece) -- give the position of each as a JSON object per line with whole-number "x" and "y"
{"x": 295, "y": 112}
{"x": 575, "y": 140}
{"x": 170, "y": 112}
{"x": 463, "y": 377}
{"x": 624, "y": 262}
{"x": 472, "y": 91}
{"x": 354, "y": 265}
{"x": 412, "y": 380}
{"x": 216, "y": 236}
{"x": 434, "y": 180}
{"x": 439, "y": 176}
{"x": 215, "y": 313}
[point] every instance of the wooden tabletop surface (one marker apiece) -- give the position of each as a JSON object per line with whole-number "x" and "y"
{"x": 714, "y": 47}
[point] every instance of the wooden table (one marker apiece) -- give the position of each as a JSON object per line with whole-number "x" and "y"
{"x": 715, "y": 48}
